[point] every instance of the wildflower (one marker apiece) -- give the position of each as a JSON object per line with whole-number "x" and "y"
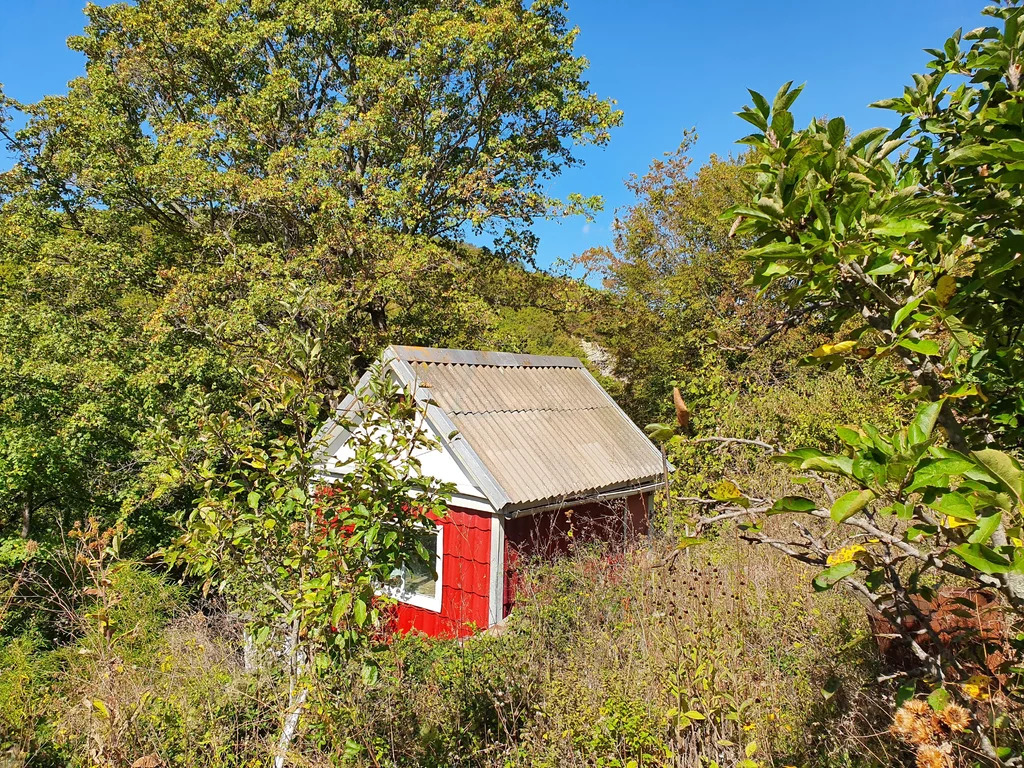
{"x": 956, "y": 718}
{"x": 845, "y": 555}
{"x": 931, "y": 756}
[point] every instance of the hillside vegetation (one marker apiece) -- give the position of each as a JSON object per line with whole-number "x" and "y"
{"x": 239, "y": 205}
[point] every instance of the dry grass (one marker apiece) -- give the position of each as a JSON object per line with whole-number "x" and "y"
{"x": 644, "y": 657}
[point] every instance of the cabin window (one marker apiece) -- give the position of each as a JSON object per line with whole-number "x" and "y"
{"x": 419, "y": 583}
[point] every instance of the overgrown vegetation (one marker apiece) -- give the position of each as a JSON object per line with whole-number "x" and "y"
{"x": 647, "y": 656}
{"x": 239, "y": 204}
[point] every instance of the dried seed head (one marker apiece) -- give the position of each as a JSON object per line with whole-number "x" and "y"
{"x": 931, "y": 756}
{"x": 956, "y": 718}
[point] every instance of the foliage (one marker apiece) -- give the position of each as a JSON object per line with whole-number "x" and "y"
{"x": 922, "y": 249}
{"x": 301, "y": 549}
{"x": 913, "y": 257}
{"x": 215, "y": 155}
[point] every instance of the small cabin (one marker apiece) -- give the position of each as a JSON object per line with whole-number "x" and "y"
{"x": 540, "y": 456}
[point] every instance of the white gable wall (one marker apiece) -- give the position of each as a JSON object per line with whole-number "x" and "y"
{"x": 436, "y": 463}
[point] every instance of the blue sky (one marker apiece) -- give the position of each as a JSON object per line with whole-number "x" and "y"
{"x": 670, "y": 64}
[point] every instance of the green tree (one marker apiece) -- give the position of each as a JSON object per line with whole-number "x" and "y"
{"x": 673, "y": 275}
{"x": 679, "y": 312}
{"x": 908, "y": 242}
{"x": 299, "y": 553}
{"x": 214, "y": 155}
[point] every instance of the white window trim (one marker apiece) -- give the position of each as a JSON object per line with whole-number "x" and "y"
{"x": 432, "y": 604}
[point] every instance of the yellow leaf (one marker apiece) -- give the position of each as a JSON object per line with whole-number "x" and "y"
{"x": 839, "y": 348}
{"x": 845, "y": 555}
{"x": 909, "y": 261}
{"x": 954, "y": 522}
{"x": 964, "y": 390}
{"x": 945, "y": 288}
{"x": 100, "y": 707}
{"x": 977, "y": 687}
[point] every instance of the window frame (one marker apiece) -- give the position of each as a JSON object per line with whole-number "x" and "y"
{"x": 432, "y": 604}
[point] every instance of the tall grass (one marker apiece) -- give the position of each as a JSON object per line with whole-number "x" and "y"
{"x": 715, "y": 655}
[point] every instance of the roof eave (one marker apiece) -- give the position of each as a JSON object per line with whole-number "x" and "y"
{"x": 608, "y": 493}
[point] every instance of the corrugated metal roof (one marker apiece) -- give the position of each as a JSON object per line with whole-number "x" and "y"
{"x": 541, "y": 428}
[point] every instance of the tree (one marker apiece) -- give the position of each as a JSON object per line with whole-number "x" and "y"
{"x": 215, "y": 154}
{"x": 916, "y": 257}
{"x": 300, "y": 555}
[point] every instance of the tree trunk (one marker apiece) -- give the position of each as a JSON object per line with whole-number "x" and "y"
{"x": 26, "y": 515}
{"x": 297, "y": 693}
{"x": 249, "y": 651}
{"x": 296, "y": 701}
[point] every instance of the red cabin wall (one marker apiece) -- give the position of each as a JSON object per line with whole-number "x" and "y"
{"x": 546, "y": 534}
{"x": 465, "y": 580}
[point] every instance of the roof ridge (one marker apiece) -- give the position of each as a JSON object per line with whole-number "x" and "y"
{"x": 472, "y": 357}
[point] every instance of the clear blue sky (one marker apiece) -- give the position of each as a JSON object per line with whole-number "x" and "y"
{"x": 670, "y": 64}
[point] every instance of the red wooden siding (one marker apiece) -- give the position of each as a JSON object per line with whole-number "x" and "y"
{"x": 545, "y": 534}
{"x": 465, "y": 580}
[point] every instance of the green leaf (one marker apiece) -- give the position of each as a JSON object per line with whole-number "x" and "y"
{"x": 835, "y": 464}
{"x": 850, "y": 436}
{"x": 370, "y": 674}
{"x": 830, "y": 576}
{"x": 760, "y": 102}
{"x": 797, "y": 457}
{"x": 887, "y": 268}
{"x": 777, "y": 251}
{"x": 659, "y": 433}
{"x": 939, "y": 699}
{"x": 982, "y": 558}
{"x": 253, "y": 499}
{"x": 974, "y": 154}
{"x": 900, "y": 227}
{"x": 849, "y": 504}
{"x": 781, "y": 96}
{"x": 782, "y": 125}
{"x": 937, "y": 473}
{"x": 986, "y": 527}
{"x": 793, "y": 504}
{"x": 921, "y": 346}
{"x": 754, "y": 117}
{"x": 924, "y": 422}
{"x": 864, "y": 138}
{"x": 341, "y": 607}
{"x": 1003, "y": 467}
{"x": 904, "y": 312}
{"x": 905, "y": 694}
{"x": 955, "y": 505}
{"x": 359, "y": 611}
{"x": 836, "y": 131}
